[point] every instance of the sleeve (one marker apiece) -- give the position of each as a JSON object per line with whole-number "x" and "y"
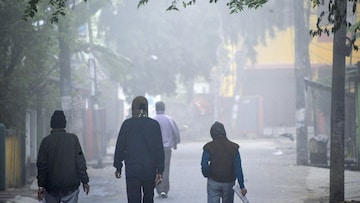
{"x": 81, "y": 162}
{"x": 205, "y": 163}
{"x": 120, "y": 148}
{"x": 176, "y": 133}
{"x": 160, "y": 157}
{"x": 238, "y": 170}
{"x": 42, "y": 164}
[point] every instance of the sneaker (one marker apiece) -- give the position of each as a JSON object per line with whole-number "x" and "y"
{"x": 163, "y": 195}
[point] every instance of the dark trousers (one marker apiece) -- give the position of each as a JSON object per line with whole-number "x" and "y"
{"x": 139, "y": 189}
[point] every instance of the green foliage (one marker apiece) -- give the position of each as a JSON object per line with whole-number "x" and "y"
{"x": 112, "y": 65}
{"x": 235, "y": 6}
{"x": 58, "y": 8}
{"x": 330, "y": 20}
{"x": 161, "y": 45}
{"x": 26, "y": 61}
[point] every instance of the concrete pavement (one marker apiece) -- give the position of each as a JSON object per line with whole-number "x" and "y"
{"x": 270, "y": 171}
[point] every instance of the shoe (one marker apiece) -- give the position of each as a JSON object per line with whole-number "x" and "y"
{"x": 163, "y": 195}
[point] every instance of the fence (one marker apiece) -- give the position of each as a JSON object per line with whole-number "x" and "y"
{"x": 10, "y": 161}
{"x": 319, "y": 114}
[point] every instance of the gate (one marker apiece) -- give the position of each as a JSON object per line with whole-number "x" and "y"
{"x": 318, "y": 99}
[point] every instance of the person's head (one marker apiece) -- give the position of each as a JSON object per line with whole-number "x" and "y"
{"x": 58, "y": 120}
{"x": 139, "y": 107}
{"x": 217, "y": 129}
{"x": 160, "y": 107}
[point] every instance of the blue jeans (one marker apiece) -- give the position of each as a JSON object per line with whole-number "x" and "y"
{"x": 217, "y": 190}
{"x": 71, "y": 197}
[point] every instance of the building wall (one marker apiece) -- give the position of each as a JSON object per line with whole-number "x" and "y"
{"x": 276, "y": 86}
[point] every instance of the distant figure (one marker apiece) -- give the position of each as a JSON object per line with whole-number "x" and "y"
{"x": 61, "y": 164}
{"x": 221, "y": 164}
{"x": 170, "y": 137}
{"x": 139, "y": 144}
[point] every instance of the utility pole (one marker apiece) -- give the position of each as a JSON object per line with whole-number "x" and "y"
{"x": 94, "y": 94}
{"x": 301, "y": 71}
{"x": 338, "y": 104}
{"x": 65, "y": 72}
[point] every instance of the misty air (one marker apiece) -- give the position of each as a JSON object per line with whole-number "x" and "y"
{"x": 179, "y": 101}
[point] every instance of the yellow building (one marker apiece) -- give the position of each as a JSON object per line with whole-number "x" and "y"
{"x": 272, "y": 77}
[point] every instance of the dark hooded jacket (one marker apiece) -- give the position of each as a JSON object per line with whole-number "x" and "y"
{"x": 61, "y": 162}
{"x": 221, "y": 159}
{"x": 139, "y": 144}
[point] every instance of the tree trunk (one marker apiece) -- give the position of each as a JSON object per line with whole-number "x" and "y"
{"x": 65, "y": 73}
{"x": 301, "y": 71}
{"x": 338, "y": 107}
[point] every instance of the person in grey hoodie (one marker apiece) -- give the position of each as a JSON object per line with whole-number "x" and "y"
{"x": 221, "y": 165}
{"x": 61, "y": 164}
{"x": 139, "y": 145}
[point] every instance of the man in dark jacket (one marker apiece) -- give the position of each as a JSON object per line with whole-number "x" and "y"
{"x": 221, "y": 164}
{"x": 61, "y": 164}
{"x": 139, "y": 143}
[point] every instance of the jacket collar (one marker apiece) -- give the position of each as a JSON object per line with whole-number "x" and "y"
{"x": 58, "y": 130}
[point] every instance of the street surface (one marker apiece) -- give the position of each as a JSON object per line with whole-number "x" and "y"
{"x": 270, "y": 172}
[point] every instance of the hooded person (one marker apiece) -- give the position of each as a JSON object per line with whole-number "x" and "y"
{"x": 58, "y": 120}
{"x": 56, "y": 182}
{"x": 139, "y": 146}
{"x": 221, "y": 165}
{"x": 217, "y": 129}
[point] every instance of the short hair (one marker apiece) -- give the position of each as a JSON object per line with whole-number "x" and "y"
{"x": 160, "y": 106}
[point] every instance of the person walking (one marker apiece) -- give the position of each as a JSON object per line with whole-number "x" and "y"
{"x": 139, "y": 145}
{"x": 61, "y": 164}
{"x": 170, "y": 137}
{"x": 221, "y": 165}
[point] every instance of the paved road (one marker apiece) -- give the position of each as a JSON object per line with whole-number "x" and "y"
{"x": 269, "y": 165}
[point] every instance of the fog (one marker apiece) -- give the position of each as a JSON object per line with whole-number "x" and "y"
{"x": 206, "y": 65}
{"x": 203, "y": 61}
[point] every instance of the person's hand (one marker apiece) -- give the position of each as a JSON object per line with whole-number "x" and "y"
{"x": 41, "y": 193}
{"x": 86, "y": 188}
{"x": 158, "y": 179}
{"x": 243, "y": 191}
{"x": 117, "y": 174}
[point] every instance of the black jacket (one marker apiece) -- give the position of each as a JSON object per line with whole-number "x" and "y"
{"x": 139, "y": 143}
{"x": 61, "y": 163}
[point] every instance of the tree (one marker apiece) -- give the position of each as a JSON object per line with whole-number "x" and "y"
{"x": 162, "y": 44}
{"x": 189, "y": 68}
{"x": 27, "y": 60}
{"x": 338, "y": 24}
{"x": 59, "y": 6}
{"x": 337, "y": 192}
{"x": 235, "y": 6}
